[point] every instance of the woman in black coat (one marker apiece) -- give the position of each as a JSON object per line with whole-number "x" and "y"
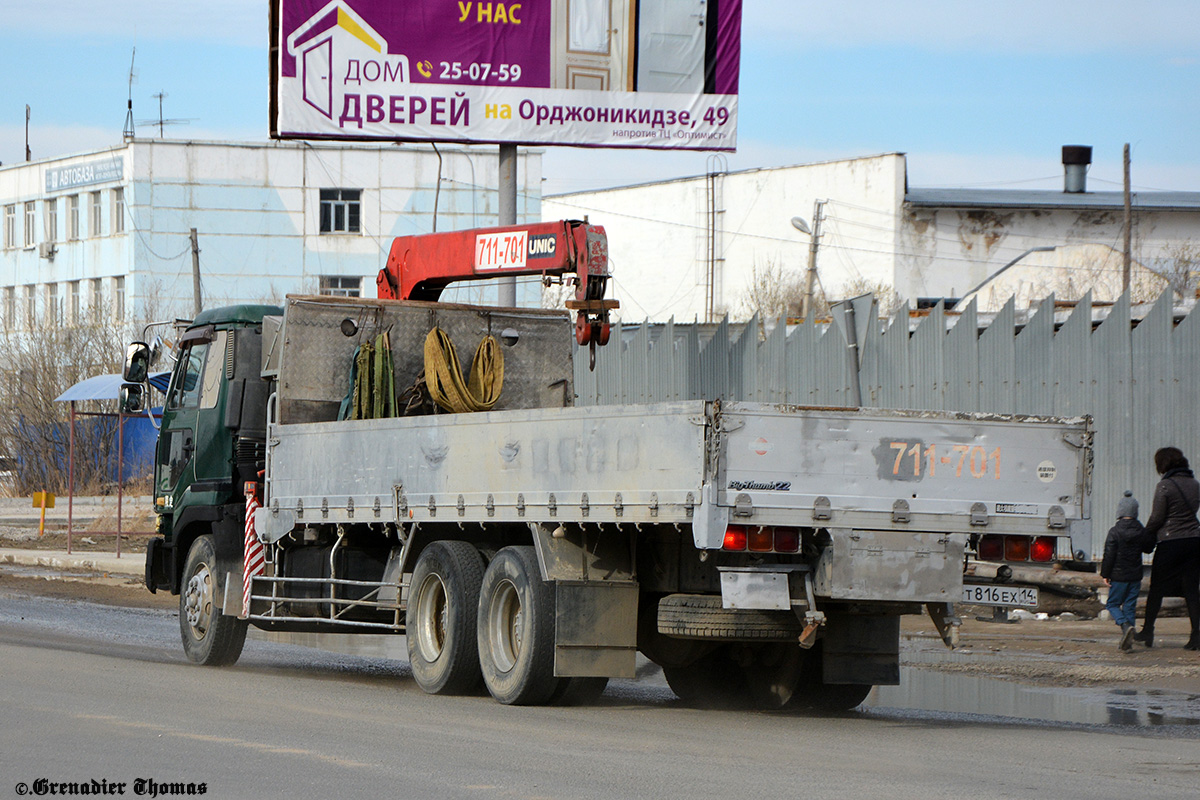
{"x": 1175, "y": 530}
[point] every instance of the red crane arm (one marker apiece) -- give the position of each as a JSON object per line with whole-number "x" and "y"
{"x": 420, "y": 267}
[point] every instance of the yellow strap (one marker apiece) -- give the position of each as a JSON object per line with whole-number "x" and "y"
{"x": 444, "y": 376}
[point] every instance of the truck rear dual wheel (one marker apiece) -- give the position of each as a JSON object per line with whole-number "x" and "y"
{"x": 715, "y": 680}
{"x": 578, "y": 691}
{"x": 516, "y": 630}
{"x": 439, "y": 622}
{"x": 209, "y": 637}
{"x": 784, "y": 676}
{"x": 771, "y": 676}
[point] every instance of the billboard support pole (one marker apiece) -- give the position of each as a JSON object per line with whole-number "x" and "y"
{"x": 508, "y": 213}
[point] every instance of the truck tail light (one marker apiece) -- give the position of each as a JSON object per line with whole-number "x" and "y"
{"x": 991, "y": 548}
{"x": 1043, "y": 548}
{"x": 787, "y": 540}
{"x": 762, "y": 539}
{"x": 735, "y": 538}
{"x": 1016, "y": 548}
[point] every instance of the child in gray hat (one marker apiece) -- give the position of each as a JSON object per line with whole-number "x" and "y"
{"x": 1122, "y": 567}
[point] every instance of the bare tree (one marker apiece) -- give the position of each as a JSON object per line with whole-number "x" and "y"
{"x": 886, "y": 296}
{"x": 41, "y": 363}
{"x": 773, "y": 292}
{"x": 1179, "y": 267}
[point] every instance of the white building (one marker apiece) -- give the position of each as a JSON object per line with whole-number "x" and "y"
{"x": 110, "y": 229}
{"x": 692, "y": 248}
{"x": 1026, "y": 244}
{"x": 688, "y": 248}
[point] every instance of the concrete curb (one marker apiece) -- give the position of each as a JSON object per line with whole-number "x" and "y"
{"x": 133, "y": 564}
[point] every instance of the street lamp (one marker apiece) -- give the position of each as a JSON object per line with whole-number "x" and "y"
{"x": 810, "y": 277}
{"x": 999, "y": 272}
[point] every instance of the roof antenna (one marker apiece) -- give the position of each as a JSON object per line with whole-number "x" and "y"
{"x": 161, "y": 122}
{"x": 127, "y": 134}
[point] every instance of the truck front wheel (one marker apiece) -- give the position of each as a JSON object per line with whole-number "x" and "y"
{"x": 516, "y": 629}
{"x": 209, "y": 637}
{"x": 440, "y": 619}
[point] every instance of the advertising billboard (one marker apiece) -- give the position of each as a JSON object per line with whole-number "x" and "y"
{"x": 601, "y": 73}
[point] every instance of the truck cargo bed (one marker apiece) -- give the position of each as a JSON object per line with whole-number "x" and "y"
{"x": 689, "y": 462}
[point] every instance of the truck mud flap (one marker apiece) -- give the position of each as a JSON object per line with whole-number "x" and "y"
{"x": 861, "y": 649}
{"x": 156, "y": 566}
{"x": 595, "y": 630}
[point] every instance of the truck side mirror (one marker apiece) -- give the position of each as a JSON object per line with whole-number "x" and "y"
{"x": 137, "y": 362}
{"x": 132, "y": 398}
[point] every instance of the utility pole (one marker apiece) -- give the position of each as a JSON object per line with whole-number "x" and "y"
{"x": 810, "y": 278}
{"x": 508, "y": 213}
{"x": 28, "y": 154}
{"x": 195, "y": 273}
{"x": 1127, "y": 268}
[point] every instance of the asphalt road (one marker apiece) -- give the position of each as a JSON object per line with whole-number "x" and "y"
{"x": 101, "y": 693}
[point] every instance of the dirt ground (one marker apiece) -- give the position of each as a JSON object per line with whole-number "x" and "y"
{"x": 111, "y": 591}
{"x": 1062, "y": 651}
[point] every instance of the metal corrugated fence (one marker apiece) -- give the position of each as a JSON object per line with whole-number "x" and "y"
{"x": 1139, "y": 378}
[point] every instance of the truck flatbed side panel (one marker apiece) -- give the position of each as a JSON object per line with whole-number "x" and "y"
{"x": 785, "y": 457}
{"x": 876, "y": 469}
{"x": 757, "y": 465}
{"x": 521, "y": 465}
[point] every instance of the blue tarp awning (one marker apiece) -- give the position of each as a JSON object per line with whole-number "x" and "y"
{"x": 107, "y": 387}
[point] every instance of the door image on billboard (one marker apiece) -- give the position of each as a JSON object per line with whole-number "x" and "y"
{"x": 671, "y": 42}
{"x": 318, "y": 86}
{"x": 591, "y": 46}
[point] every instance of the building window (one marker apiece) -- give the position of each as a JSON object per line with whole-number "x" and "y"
{"x": 51, "y": 220}
{"x": 118, "y": 220}
{"x": 95, "y": 214}
{"x": 53, "y": 304}
{"x": 119, "y": 298}
{"x": 30, "y": 224}
{"x": 76, "y": 303}
{"x": 96, "y": 299}
{"x": 10, "y": 226}
{"x": 341, "y": 210}
{"x": 341, "y": 286}
{"x": 72, "y": 217}
{"x": 30, "y": 306}
{"x": 10, "y": 307}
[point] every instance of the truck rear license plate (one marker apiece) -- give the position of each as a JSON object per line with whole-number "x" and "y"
{"x": 1026, "y": 596}
{"x": 761, "y": 590}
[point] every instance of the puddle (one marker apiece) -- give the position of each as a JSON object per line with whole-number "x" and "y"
{"x": 928, "y": 690}
{"x": 919, "y": 690}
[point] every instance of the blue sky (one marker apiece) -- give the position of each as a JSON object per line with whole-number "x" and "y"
{"x": 977, "y": 94}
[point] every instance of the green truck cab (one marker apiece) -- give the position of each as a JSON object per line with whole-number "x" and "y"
{"x": 212, "y": 441}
